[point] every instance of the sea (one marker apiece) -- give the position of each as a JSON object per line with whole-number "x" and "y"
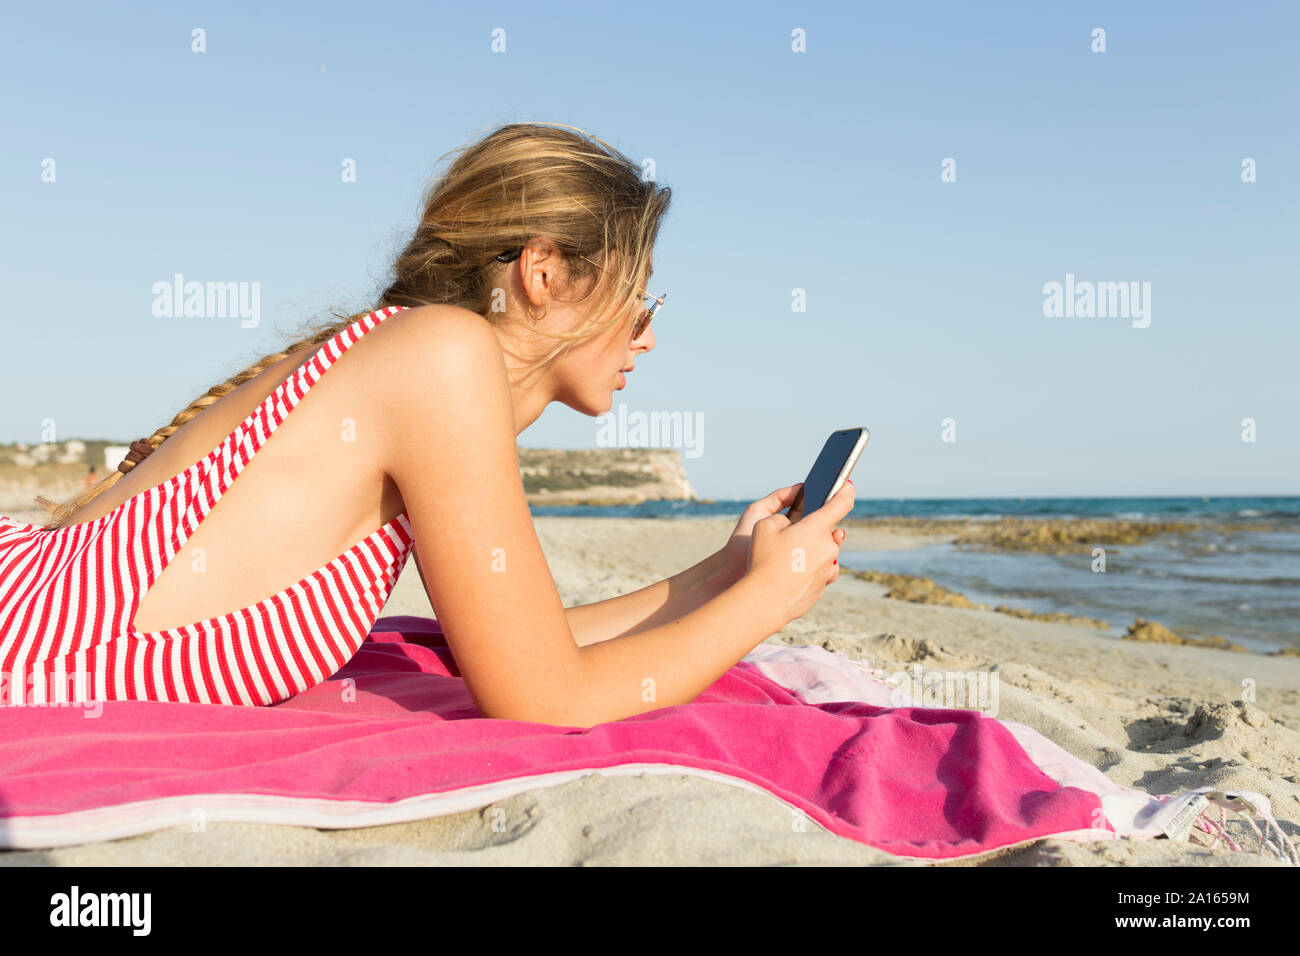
{"x": 1241, "y": 584}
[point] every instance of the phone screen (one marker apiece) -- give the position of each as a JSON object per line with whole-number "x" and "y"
{"x": 840, "y": 450}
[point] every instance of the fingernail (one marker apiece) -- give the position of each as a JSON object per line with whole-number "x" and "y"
{"x": 836, "y": 561}
{"x": 849, "y": 480}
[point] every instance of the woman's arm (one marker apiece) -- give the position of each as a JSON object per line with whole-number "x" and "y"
{"x": 652, "y": 605}
{"x": 656, "y": 603}
{"x": 669, "y": 600}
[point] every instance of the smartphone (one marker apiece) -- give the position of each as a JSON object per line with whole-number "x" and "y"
{"x": 837, "y": 458}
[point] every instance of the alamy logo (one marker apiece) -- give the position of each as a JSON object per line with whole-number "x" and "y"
{"x": 102, "y": 909}
{"x": 657, "y": 430}
{"x": 208, "y": 300}
{"x": 962, "y": 690}
{"x": 1098, "y": 300}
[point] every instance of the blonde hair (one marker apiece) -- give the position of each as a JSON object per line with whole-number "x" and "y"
{"x": 519, "y": 182}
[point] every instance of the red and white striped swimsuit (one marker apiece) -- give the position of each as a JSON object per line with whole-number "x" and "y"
{"x": 68, "y": 595}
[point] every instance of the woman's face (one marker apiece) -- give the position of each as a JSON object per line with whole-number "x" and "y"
{"x": 589, "y": 375}
{"x": 586, "y": 376}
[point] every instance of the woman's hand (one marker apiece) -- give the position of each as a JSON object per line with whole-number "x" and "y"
{"x": 797, "y": 560}
{"x": 735, "y": 554}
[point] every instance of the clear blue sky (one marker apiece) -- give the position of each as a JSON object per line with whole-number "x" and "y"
{"x": 817, "y": 171}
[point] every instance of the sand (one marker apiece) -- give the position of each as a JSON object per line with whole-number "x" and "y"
{"x": 1162, "y": 718}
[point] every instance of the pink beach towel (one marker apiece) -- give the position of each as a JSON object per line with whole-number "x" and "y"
{"x": 395, "y": 736}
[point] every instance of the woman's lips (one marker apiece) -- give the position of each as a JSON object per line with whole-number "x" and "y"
{"x": 622, "y": 379}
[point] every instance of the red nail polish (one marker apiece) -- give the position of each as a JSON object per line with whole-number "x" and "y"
{"x": 835, "y": 561}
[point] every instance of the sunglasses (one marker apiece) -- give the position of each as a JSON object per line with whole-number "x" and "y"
{"x": 652, "y": 303}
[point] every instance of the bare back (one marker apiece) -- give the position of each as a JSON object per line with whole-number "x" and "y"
{"x": 316, "y": 488}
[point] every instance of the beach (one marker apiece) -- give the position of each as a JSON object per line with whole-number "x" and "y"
{"x": 1160, "y": 717}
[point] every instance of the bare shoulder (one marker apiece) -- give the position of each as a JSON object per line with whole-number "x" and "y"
{"x": 437, "y": 327}
{"x": 436, "y": 365}
{"x": 441, "y": 355}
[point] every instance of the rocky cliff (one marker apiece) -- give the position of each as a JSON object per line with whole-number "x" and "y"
{"x": 603, "y": 476}
{"x": 600, "y": 476}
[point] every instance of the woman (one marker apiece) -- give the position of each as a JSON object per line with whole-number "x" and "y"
{"x": 522, "y": 286}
